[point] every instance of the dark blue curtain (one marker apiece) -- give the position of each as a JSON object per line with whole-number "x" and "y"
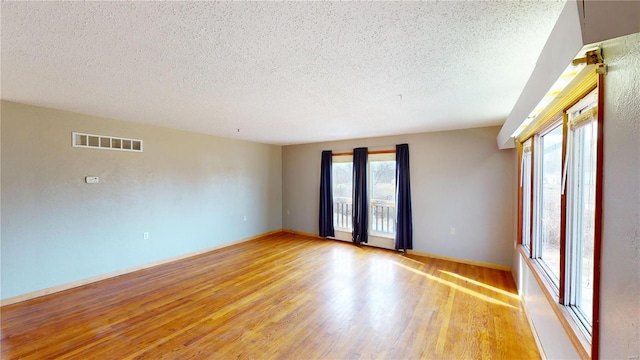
{"x": 404, "y": 225}
{"x": 360, "y": 198}
{"x": 326, "y": 196}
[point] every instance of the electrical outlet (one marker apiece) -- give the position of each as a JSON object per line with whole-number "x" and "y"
{"x": 145, "y": 235}
{"x": 245, "y": 218}
{"x": 288, "y": 212}
{"x": 452, "y": 231}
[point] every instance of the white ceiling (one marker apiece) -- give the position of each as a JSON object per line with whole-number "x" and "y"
{"x": 281, "y": 72}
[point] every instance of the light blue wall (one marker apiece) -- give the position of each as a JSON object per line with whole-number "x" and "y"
{"x": 189, "y": 191}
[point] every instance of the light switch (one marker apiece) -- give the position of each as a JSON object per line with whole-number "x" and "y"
{"x": 92, "y": 180}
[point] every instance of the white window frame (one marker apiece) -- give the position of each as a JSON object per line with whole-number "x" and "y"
{"x": 526, "y": 179}
{"x": 536, "y": 239}
{"x": 334, "y": 160}
{"x": 374, "y": 158}
{"x": 575, "y": 203}
{"x": 387, "y": 156}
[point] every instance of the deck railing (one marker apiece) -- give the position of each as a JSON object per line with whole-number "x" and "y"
{"x": 342, "y": 213}
{"x": 382, "y": 215}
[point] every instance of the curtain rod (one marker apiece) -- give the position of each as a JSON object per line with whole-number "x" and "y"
{"x": 373, "y": 152}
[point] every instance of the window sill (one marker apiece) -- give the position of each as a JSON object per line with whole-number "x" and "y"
{"x": 384, "y": 241}
{"x": 383, "y": 235}
{"x": 374, "y": 234}
{"x": 569, "y": 324}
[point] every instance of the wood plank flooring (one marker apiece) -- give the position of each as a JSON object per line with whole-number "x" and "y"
{"x": 283, "y": 296}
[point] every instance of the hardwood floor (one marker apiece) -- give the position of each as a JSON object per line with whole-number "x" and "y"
{"x": 282, "y": 296}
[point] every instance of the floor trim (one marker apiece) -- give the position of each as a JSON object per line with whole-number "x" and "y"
{"x": 74, "y": 284}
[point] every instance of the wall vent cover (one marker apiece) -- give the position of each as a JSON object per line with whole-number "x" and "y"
{"x": 105, "y": 142}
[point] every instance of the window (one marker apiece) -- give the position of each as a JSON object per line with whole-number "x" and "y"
{"x": 382, "y": 194}
{"x": 547, "y": 225}
{"x": 525, "y": 183}
{"x": 381, "y": 183}
{"x": 560, "y": 196}
{"x": 342, "y": 178}
{"x": 581, "y": 205}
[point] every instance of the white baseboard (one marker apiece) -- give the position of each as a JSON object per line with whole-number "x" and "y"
{"x": 74, "y": 284}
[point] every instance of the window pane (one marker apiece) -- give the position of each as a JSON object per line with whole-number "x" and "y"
{"x": 582, "y": 221}
{"x": 551, "y": 177}
{"x": 526, "y": 195}
{"x": 382, "y": 196}
{"x": 342, "y": 179}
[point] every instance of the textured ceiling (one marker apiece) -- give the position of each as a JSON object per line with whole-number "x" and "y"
{"x": 281, "y": 72}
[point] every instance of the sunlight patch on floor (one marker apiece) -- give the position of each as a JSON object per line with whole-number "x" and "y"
{"x": 456, "y": 286}
{"x": 478, "y": 283}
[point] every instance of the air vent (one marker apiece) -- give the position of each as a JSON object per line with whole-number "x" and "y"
{"x": 105, "y": 142}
